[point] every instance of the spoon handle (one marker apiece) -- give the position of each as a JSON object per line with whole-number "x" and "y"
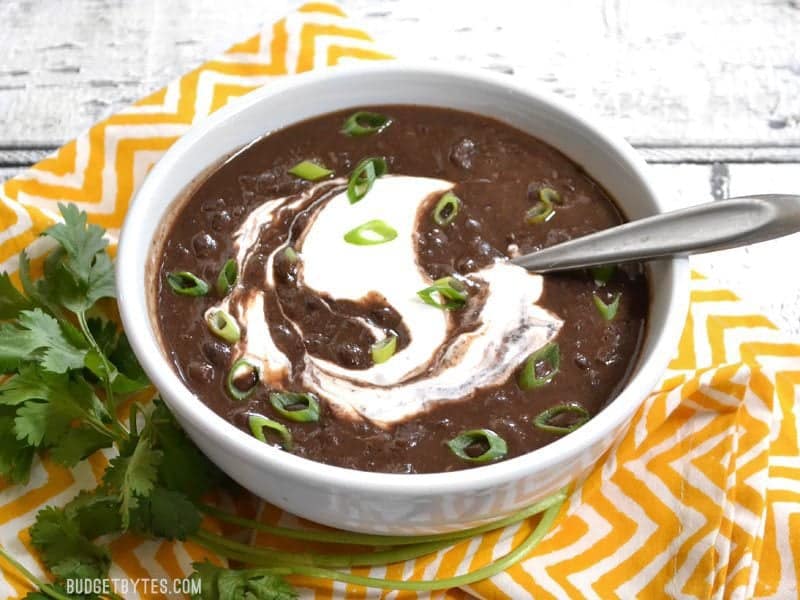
{"x": 712, "y": 226}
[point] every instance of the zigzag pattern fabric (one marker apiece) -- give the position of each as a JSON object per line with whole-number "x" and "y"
{"x": 700, "y": 499}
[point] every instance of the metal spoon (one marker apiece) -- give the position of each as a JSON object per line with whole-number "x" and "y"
{"x": 712, "y": 226}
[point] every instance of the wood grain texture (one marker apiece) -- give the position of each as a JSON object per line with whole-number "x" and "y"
{"x": 666, "y": 72}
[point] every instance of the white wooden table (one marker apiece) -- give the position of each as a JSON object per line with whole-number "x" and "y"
{"x": 708, "y": 91}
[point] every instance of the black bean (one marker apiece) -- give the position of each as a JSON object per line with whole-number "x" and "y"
{"x": 466, "y": 264}
{"x": 217, "y": 353}
{"x": 350, "y": 355}
{"x": 212, "y": 204}
{"x": 313, "y": 304}
{"x": 204, "y": 245}
{"x": 315, "y": 343}
{"x": 281, "y": 331}
{"x": 439, "y": 270}
{"x": 246, "y": 380}
{"x": 437, "y": 238}
{"x": 247, "y": 182}
{"x": 221, "y": 221}
{"x": 385, "y": 316}
{"x": 266, "y": 183}
{"x": 484, "y": 248}
{"x": 462, "y": 153}
{"x": 285, "y": 272}
{"x": 472, "y": 225}
{"x": 582, "y": 361}
{"x": 200, "y": 372}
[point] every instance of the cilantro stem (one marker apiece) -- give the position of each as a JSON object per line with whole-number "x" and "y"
{"x": 119, "y": 433}
{"x": 364, "y": 539}
{"x": 490, "y": 570}
{"x": 101, "y": 427}
{"x": 44, "y": 587}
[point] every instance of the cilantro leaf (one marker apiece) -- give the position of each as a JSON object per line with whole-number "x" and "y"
{"x": 40, "y": 423}
{"x": 11, "y": 300}
{"x": 208, "y": 574}
{"x": 16, "y": 346}
{"x": 27, "y": 384}
{"x": 94, "y": 362}
{"x": 60, "y": 354}
{"x": 44, "y": 424}
{"x": 101, "y": 279}
{"x": 270, "y": 587}
{"x": 31, "y": 289}
{"x": 133, "y": 476}
{"x": 184, "y": 467}
{"x": 79, "y": 272}
{"x": 81, "y": 242}
{"x": 125, "y": 360}
{"x": 64, "y": 549}
{"x": 16, "y": 456}
{"x": 120, "y": 383}
{"x": 40, "y": 338}
{"x": 78, "y": 295}
{"x": 104, "y": 332}
{"x": 166, "y": 513}
{"x": 218, "y": 583}
{"x": 78, "y": 443}
{"x": 95, "y": 512}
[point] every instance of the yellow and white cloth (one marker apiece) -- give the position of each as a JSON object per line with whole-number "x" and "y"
{"x": 700, "y": 499}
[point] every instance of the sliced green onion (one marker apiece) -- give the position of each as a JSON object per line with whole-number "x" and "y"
{"x": 290, "y": 254}
{"x": 223, "y": 325}
{"x": 447, "y": 293}
{"x": 257, "y": 425}
{"x": 309, "y": 171}
{"x": 497, "y": 447}
{"x": 365, "y": 123}
{"x": 363, "y": 176}
{"x": 384, "y": 349}
{"x": 303, "y": 408}
{"x": 541, "y": 211}
{"x": 544, "y": 420}
{"x": 227, "y": 277}
{"x": 243, "y": 371}
{"x": 608, "y": 311}
{"x": 550, "y": 195}
{"x": 549, "y": 357}
{"x": 371, "y": 233}
{"x": 602, "y": 274}
{"x": 187, "y": 284}
{"x": 446, "y": 209}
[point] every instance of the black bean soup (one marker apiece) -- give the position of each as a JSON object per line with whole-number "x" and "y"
{"x": 249, "y": 333}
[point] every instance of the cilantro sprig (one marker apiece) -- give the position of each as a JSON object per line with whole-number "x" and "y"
{"x": 65, "y": 371}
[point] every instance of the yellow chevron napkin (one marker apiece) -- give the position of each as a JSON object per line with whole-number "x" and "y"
{"x": 700, "y": 499}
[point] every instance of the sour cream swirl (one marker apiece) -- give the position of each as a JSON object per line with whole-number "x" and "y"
{"x": 436, "y": 366}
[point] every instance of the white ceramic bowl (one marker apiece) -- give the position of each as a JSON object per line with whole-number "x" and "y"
{"x": 377, "y": 502}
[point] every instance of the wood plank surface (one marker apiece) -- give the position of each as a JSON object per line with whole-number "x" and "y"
{"x": 665, "y": 72}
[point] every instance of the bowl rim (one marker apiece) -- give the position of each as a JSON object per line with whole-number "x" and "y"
{"x": 143, "y": 339}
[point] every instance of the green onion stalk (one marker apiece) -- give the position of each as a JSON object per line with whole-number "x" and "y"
{"x": 266, "y": 561}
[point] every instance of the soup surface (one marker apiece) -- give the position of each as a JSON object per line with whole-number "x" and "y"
{"x": 341, "y": 288}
